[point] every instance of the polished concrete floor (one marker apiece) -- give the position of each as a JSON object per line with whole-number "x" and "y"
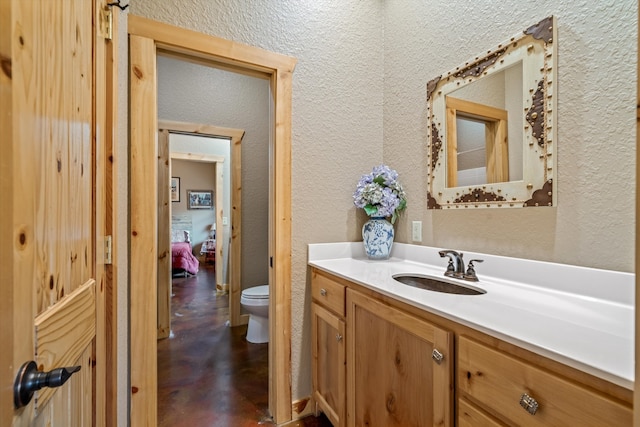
{"x": 208, "y": 374}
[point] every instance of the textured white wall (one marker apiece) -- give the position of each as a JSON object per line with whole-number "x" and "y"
{"x": 359, "y": 97}
{"x": 593, "y": 224}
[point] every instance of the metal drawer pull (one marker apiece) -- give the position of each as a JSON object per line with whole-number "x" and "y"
{"x": 323, "y": 292}
{"x": 437, "y": 356}
{"x": 529, "y": 403}
{"x": 338, "y": 337}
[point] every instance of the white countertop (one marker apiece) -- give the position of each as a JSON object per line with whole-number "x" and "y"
{"x": 579, "y": 316}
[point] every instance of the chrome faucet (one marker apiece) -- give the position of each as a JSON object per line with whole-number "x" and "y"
{"x": 455, "y": 268}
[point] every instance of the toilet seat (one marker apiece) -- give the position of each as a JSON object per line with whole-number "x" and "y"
{"x": 256, "y": 293}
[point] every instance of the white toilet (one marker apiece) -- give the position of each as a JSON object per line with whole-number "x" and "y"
{"x": 255, "y": 301}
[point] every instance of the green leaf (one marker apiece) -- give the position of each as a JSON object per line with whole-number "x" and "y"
{"x": 370, "y": 210}
{"x": 379, "y": 180}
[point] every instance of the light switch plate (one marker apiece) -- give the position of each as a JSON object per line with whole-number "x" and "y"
{"x": 416, "y": 231}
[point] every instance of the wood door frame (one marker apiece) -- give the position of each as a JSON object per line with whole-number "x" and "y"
{"x": 166, "y": 127}
{"x": 109, "y": 303}
{"x": 145, "y": 38}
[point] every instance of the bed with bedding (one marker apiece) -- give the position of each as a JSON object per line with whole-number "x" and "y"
{"x": 182, "y": 258}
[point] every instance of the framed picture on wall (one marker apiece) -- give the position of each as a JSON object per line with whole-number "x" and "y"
{"x": 175, "y": 189}
{"x": 200, "y": 199}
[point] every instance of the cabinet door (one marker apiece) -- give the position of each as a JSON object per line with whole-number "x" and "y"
{"x": 328, "y": 363}
{"x": 393, "y": 378}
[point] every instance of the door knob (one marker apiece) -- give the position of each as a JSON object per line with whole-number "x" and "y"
{"x": 29, "y": 380}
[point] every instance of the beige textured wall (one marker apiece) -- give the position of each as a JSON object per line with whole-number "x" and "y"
{"x": 593, "y": 224}
{"x": 359, "y": 97}
{"x": 195, "y": 176}
{"x": 195, "y": 93}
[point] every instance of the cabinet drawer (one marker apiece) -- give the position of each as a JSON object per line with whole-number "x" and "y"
{"x": 470, "y": 416}
{"x": 498, "y": 381}
{"x": 328, "y": 292}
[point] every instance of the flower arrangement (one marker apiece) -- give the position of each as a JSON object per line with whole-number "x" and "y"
{"x": 380, "y": 193}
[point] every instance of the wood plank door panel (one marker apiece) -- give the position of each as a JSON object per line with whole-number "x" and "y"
{"x": 391, "y": 377}
{"x": 54, "y": 207}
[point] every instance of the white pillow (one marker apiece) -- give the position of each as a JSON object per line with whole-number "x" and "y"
{"x": 178, "y": 236}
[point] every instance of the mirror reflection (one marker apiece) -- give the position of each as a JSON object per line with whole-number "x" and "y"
{"x": 485, "y": 131}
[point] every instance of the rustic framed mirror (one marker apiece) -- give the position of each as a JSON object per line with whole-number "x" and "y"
{"x": 492, "y": 126}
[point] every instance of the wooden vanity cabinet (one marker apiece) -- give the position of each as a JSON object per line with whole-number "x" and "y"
{"x": 518, "y": 392}
{"x": 399, "y": 367}
{"x": 392, "y": 377}
{"x": 328, "y": 351}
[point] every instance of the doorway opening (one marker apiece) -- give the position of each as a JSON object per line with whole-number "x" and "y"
{"x": 146, "y": 38}
{"x": 228, "y": 238}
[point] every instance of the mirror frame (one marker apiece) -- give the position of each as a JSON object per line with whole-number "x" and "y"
{"x": 536, "y": 47}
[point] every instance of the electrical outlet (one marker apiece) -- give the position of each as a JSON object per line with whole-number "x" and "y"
{"x": 416, "y": 231}
{"x": 225, "y": 220}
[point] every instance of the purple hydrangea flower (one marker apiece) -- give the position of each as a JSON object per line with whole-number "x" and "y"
{"x": 380, "y": 193}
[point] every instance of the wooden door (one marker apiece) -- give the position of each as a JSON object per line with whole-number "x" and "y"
{"x": 53, "y": 206}
{"x": 392, "y": 378}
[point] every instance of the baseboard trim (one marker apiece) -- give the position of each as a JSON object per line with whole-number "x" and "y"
{"x": 299, "y": 409}
{"x": 244, "y": 319}
{"x": 302, "y": 408}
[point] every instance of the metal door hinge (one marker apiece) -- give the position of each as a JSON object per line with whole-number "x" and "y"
{"x": 107, "y": 250}
{"x": 106, "y": 23}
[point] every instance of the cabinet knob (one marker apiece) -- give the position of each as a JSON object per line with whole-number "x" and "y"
{"x": 323, "y": 292}
{"x": 529, "y": 403}
{"x": 338, "y": 337}
{"x": 437, "y": 356}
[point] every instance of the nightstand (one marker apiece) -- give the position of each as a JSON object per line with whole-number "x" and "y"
{"x": 208, "y": 249}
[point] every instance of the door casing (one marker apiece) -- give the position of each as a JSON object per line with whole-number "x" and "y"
{"x": 146, "y": 37}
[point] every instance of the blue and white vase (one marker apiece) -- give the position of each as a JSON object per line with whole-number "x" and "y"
{"x": 377, "y": 235}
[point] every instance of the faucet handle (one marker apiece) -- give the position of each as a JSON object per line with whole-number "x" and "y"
{"x": 471, "y": 271}
{"x": 451, "y": 270}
